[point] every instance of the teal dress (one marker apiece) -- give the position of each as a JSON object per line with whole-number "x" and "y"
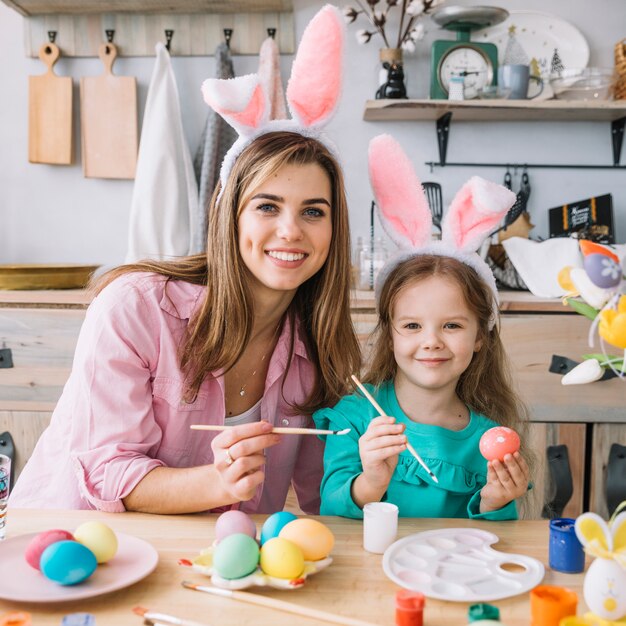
{"x": 453, "y": 457}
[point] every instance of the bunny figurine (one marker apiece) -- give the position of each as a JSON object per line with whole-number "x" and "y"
{"x": 604, "y": 588}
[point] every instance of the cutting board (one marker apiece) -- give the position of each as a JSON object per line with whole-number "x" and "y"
{"x": 108, "y": 106}
{"x": 50, "y": 113}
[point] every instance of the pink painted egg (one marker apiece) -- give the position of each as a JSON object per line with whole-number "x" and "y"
{"x": 233, "y": 522}
{"x": 498, "y": 442}
{"x": 40, "y": 542}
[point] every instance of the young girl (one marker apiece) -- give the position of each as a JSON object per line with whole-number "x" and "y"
{"x": 254, "y": 334}
{"x": 437, "y": 367}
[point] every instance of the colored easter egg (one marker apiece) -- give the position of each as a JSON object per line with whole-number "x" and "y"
{"x": 314, "y": 539}
{"x": 282, "y": 558}
{"x": 274, "y": 524}
{"x": 565, "y": 280}
{"x": 67, "y": 562}
{"x": 99, "y": 538}
{"x": 232, "y": 522}
{"x": 498, "y": 442}
{"x": 236, "y": 556}
{"x": 41, "y": 541}
{"x": 589, "y": 247}
{"x": 602, "y": 270}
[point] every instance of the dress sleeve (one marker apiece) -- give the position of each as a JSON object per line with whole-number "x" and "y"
{"x": 507, "y": 512}
{"x": 307, "y": 474}
{"x": 342, "y": 464}
{"x": 113, "y": 433}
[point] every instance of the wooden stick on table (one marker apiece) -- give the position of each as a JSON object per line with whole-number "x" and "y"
{"x": 280, "y": 605}
{"x": 281, "y": 431}
{"x": 382, "y": 413}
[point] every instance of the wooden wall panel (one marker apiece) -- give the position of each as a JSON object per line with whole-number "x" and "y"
{"x": 604, "y": 436}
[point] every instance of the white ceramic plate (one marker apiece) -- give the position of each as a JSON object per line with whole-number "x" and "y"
{"x": 458, "y": 564}
{"x": 19, "y": 582}
{"x": 539, "y": 34}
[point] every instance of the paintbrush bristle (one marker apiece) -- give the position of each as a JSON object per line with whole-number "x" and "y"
{"x": 140, "y": 610}
{"x": 345, "y": 431}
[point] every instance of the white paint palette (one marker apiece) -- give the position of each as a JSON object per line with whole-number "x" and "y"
{"x": 458, "y": 564}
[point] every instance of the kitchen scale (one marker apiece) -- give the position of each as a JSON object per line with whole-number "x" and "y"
{"x": 476, "y": 63}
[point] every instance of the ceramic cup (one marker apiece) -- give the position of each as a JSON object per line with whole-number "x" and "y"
{"x": 517, "y": 78}
{"x": 566, "y": 553}
{"x": 380, "y": 526}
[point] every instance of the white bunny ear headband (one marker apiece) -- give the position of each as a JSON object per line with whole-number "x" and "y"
{"x": 312, "y": 92}
{"x": 404, "y": 212}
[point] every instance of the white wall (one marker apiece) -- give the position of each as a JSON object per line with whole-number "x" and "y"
{"x": 52, "y": 214}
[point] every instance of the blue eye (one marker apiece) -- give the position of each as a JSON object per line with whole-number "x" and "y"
{"x": 412, "y": 326}
{"x": 314, "y": 212}
{"x": 266, "y": 208}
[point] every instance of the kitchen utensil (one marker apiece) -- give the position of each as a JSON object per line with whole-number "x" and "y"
{"x": 521, "y": 201}
{"x": 458, "y": 564}
{"x": 50, "y": 113}
{"x": 108, "y": 121}
{"x": 435, "y": 202}
{"x": 50, "y": 276}
{"x": 587, "y": 83}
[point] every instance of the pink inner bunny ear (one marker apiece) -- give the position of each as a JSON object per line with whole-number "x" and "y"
{"x": 315, "y": 83}
{"x": 240, "y": 101}
{"x": 475, "y": 211}
{"x": 403, "y": 208}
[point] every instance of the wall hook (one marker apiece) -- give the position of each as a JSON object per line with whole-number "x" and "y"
{"x": 110, "y": 33}
{"x": 169, "y": 33}
{"x": 271, "y": 32}
{"x": 228, "y": 33}
{"x": 52, "y": 35}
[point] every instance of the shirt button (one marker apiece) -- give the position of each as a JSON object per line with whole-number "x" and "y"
{"x": 285, "y": 422}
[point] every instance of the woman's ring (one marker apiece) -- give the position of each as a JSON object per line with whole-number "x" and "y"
{"x": 229, "y": 459}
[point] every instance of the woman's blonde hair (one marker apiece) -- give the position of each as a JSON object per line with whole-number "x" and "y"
{"x": 219, "y": 333}
{"x": 486, "y": 385}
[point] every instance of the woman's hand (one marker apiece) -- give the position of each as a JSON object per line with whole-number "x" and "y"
{"x": 379, "y": 448}
{"x": 239, "y": 459}
{"x": 506, "y": 481}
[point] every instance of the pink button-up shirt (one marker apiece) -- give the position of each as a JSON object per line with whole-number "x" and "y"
{"x": 121, "y": 413}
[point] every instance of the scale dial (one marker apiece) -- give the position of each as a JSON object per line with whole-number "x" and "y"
{"x": 468, "y": 62}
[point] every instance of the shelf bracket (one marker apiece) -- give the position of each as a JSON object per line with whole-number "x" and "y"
{"x": 443, "y": 131}
{"x": 617, "y": 136}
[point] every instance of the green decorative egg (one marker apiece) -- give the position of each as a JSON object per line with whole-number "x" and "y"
{"x": 236, "y": 556}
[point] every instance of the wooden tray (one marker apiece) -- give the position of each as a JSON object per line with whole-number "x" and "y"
{"x": 50, "y": 276}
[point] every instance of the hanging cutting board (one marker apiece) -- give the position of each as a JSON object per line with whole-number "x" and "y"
{"x": 108, "y": 106}
{"x": 50, "y": 113}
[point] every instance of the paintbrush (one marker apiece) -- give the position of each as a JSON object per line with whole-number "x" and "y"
{"x": 377, "y": 406}
{"x": 281, "y": 431}
{"x": 154, "y": 618}
{"x": 279, "y": 605}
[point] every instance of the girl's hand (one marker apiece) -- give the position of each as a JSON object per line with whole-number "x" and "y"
{"x": 238, "y": 458}
{"x": 506, "y": 481}
{"x": 379, "y": 448}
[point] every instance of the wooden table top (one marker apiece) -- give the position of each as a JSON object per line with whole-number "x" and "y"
{"x": 353, "y": 586}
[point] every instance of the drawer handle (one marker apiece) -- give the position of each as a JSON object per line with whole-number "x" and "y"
{"x": 561, "y": 477}
{"x": 616, "y": 477}
{"x": 6, "y": 358}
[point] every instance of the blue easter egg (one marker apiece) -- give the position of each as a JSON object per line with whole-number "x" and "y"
{"x": 67, "y": 562}
{"x": 602, "y": 270}
{"x": 274, "y": 524}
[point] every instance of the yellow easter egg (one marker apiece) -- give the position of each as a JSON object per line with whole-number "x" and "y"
{"x": 565, "y": 280}
{"x": 282, "y": 558}
{"x": 99, "y": 538}
{"x": 315, "y": 540}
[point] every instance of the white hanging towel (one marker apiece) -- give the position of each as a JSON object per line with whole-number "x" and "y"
{"x": 165, "y": 195}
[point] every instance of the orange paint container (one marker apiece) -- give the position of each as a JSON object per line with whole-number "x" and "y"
{"x": 409, "y": 608}
{"x": 550, "y": 604}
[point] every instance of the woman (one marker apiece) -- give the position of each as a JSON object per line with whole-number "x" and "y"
{"x": 257, "y": 331}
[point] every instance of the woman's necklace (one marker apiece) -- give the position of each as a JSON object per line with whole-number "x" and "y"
{"x": 242, "y": 389}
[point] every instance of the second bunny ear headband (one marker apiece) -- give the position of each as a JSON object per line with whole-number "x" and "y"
{"x": 403, "y": 208}
{"x": 312, "y": 92}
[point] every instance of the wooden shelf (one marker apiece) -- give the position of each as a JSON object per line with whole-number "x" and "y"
{"x": 494, "y": 110}
{"x": 84, "y": 7}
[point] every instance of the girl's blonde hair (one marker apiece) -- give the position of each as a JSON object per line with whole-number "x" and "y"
{"x": 220, "y": 331}
{"x": 486, "y": 386}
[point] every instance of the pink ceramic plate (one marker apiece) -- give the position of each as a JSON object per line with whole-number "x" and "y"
{"x": 19, "y": 582}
